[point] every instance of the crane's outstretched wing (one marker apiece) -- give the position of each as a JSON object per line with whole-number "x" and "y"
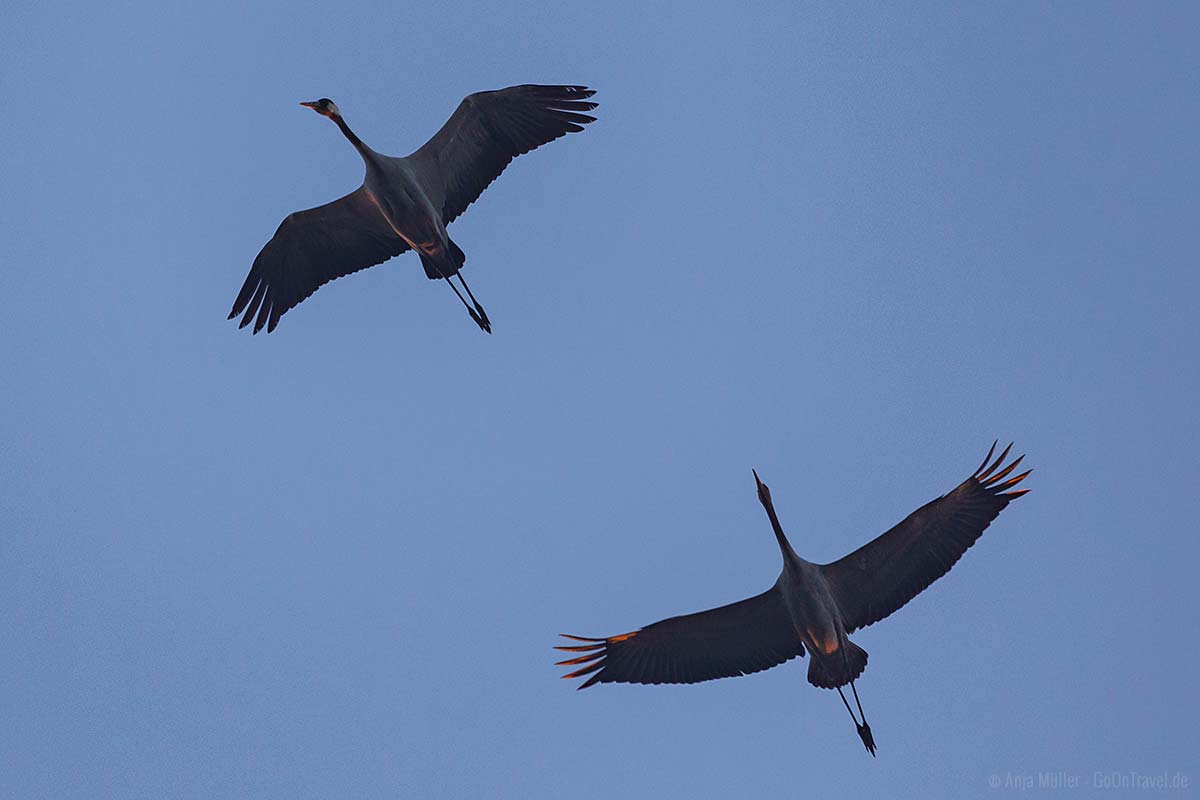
{"x": 490, "y": 129}
{"x": 884, "y": 574}
{"x": 738, "y": 639}
{"x": 311, "y": 248}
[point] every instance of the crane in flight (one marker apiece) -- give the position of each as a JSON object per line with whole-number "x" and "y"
{"x": 811, "y": 607}
{"x": 406, "y": 203}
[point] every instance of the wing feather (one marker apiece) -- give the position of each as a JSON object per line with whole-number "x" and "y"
{"x": 884, "y": 574}
{"x": 738, "y": 639}
{"x": 487, "y": 131}
{"x": 311, "y": 248}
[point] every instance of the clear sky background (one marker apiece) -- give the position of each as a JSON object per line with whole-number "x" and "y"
{"x": 847, "y": 248}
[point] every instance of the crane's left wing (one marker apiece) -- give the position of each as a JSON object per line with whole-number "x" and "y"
{"x": 884, "y": 574}
{"x": 738, "y": 639}
{"x": 487, "y": 131}
{"x": 311, "y": 248}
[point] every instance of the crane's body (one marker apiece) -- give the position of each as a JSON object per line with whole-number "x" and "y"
{"x": 810, "y": 603}
{"x": 393, "y": 187}
{"x": 811, "y": 608}
{"x": 406, "y": 202}
{"x": 814, "y": 612}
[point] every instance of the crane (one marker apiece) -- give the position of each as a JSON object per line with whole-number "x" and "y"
{"x": 811, "y": 607}
{"x": 406, "y": 203}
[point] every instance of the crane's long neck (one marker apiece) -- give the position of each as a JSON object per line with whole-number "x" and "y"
{"x": 351, "y": 135}
{"x": 764, "y": 497}
{"x": 785, "y": 547}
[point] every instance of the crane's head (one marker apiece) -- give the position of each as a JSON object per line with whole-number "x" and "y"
{"x": 764, "y": 494}
{"x": 325, "y": 107}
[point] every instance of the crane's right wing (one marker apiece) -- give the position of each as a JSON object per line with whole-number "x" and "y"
{"x": 738, "y": 639}
{"x": 487, "y": 131}
{"x": 311, "y": 248}
{"x": 887, "y": 572}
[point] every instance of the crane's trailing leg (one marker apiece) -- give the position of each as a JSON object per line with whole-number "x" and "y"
{"x": 434, "y": 268}
{"x": 483, "y": 320}
{"x": 864, "y": 730}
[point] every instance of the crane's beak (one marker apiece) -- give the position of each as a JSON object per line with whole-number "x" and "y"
{"x": 310, "y": 104}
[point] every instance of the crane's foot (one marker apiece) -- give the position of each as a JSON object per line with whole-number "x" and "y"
{"x": 486, "y": 323}
{"x": 864, "y": 733}
{"x": 482, "y": 321}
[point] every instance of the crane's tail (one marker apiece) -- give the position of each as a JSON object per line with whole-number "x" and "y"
{"x": 456, "y": 254}
{"x": 838, "y": 669}
{"x": 444, "y": 263}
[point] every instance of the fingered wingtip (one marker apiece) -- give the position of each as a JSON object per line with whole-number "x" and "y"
{"x": 986, "y": 458}
{"x": 986, "y": 474}
{"x": 1011, "y": 482}
{"x": 993, "y": 475}
{"x": 583, "y": 659}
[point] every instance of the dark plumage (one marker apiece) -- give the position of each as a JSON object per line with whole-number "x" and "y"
{"x": 811, "y": 607}
{"x": 406, "y": 203}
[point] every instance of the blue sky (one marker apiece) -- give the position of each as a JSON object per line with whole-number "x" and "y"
{"x": 847, "y": 247}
